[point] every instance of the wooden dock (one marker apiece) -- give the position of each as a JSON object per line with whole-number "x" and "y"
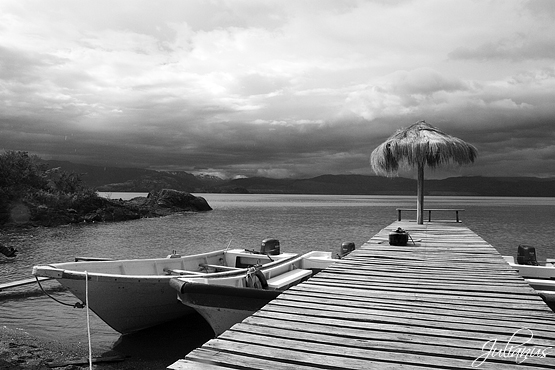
{"x": 18, "y": 283}
{"x": 442, "y": 303}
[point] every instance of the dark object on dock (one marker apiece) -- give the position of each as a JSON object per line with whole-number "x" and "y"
{"x": 270, "y": 247}
{"x": 8, "y": 251}
{"x": 345, "y": 249}
{"x": 526, "y": 255}
{"x": 398, "y": 237}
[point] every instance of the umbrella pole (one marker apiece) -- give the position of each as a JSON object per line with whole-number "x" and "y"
{"x": 420, "y": 195}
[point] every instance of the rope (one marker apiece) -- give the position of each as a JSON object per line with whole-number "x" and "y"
{"x": 410, "y": 236}
{"x": 253, "y": 280}
{"x": 88, "y": 318}
{"x": 228, "y": 244}
{"x": 75, "y": 305}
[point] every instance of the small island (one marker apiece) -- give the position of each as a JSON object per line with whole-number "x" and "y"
{"x": 31, "y": 194}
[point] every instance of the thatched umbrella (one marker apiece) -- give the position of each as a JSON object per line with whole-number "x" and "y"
{"x": 420, "y": 145}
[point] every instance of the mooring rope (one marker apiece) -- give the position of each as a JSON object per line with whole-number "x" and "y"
{"x": 88, "y": 318}
{"x": 75, "y": 305}
{"x": 410, "y": 236}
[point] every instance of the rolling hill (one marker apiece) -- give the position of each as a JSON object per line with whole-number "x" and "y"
{"x": 141, "y": 180}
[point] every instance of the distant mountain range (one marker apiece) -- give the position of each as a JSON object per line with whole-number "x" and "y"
{"x": 112, "y": 179}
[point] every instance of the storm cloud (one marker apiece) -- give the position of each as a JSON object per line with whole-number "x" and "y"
{"x": 276, "y": 88}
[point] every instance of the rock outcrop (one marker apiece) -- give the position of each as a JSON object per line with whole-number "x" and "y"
{"x": 156, "y": 204}
{"x": 168, "y": 201}
{"x": 8, "y": 251}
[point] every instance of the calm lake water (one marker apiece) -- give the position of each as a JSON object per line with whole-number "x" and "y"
{"x": 301, "y": 223}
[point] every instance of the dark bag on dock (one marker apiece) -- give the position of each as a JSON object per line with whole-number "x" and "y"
{"x": 398, "y": 237}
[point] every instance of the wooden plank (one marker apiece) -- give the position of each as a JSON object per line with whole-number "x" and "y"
{"x": 385, "y": 280}
{"x": 403, "y": 338}
{"x": 326, "y": 356}
{"x": 390, "y": 303}
{"x": 332, "y": 355}
{"x": 14, "y": 284}
{"x": 525, "y": 305}
{"x": 375, "y": 347}
{"x": 208, "y": 359}
{"x": 337, "y": 326}
{"x": 381, "y": 274}
{"x": 468, "y": 325}
{"x": 428, "y": 319}
{"x": 485, "y": 296}
{"x": 446, "y": 312}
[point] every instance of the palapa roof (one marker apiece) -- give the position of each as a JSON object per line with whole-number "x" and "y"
{"x": 420, "y": 144}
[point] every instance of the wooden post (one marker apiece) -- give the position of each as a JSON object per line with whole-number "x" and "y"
{"x": 420, "y": 195}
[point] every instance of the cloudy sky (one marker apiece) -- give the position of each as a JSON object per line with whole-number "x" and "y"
{"x": 276, "y": 88}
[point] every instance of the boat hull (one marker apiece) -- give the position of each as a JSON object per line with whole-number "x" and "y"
{"x": 129, "y": 305}
{"x": 223, "y": 306}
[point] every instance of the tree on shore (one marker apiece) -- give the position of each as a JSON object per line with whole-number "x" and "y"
{"x": 29, "y": 186}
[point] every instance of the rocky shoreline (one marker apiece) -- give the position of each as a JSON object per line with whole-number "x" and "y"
{"x": 98, "y": 209}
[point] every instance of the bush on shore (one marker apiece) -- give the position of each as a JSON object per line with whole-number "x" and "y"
{"x": 29, "y": 189}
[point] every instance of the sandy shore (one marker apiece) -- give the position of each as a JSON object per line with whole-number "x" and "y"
{"x": 21, "y": 351}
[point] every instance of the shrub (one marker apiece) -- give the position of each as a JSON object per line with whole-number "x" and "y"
{"x": 25, "y": 178}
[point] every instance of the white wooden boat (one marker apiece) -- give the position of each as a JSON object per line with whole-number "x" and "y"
{"x": 131, "y": 295}
{"x": 226, "y": 300}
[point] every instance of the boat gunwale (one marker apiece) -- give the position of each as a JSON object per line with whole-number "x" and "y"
{"x": 178, "y": 282}
{"x": 59, "y": 273}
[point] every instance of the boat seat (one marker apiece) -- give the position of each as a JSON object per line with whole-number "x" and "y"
{"x": 218, "y": 267}
{"x": 290, "y": 277}
{"x": 182, "y": 272}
